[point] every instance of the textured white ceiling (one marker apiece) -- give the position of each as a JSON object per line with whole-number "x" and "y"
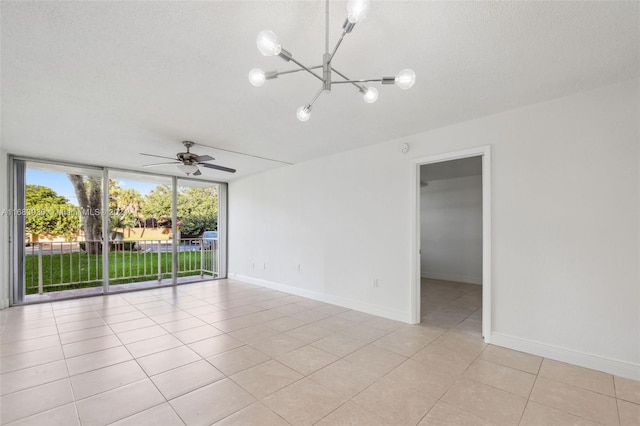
{"x": 100, "y": 82}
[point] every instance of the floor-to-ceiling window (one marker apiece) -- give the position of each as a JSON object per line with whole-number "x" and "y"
{"x": 198, "y": 206}
{"x": 58, "y": 229}
{"x": 140, "y": 229}
{"x": 87, "y": 230}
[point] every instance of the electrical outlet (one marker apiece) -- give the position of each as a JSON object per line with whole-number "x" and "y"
{"x": 264, "y": 265}
{"x": 375, "y": 282}
{"x": 299, "y": 267}
{"x": 253, "y": 265}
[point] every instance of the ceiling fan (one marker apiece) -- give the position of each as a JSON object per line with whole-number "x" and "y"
{"x": 188, "y": 162}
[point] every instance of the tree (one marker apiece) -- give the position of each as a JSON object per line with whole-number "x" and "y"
{"x": 157, "y": 204}
{"x": 198, "y": 210}
{"x": 128, "y": 200}
{"x": 89, "y": 193}
{"x": 124, "y": 207}
{"x": 49, "y": 213}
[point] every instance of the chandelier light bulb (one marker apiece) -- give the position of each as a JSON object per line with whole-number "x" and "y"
{"x": 303, "y": 113}
{"x": 357, "y": 10}
{"x": 257, "y": 77}
{"x": 268, "y": 44}
{"x": 370, "y": 95}
{"x": 405, "y": 79}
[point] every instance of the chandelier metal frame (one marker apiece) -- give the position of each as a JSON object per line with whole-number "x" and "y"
{"x": 356, "y": 11}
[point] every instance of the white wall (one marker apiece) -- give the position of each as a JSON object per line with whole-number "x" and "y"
{"x": 337, "y": 219}
{"x": 565, "y": 226}
{"x": 451, "y": 229}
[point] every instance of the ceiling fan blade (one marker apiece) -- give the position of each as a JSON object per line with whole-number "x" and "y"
{"x": 213, "y": 166}
{"x": 196, "y": 173}
{"x": 159, "y": 156}
{"x": 246, "y": 153}
{"x": 161, "y": 164}
{"x": 201, "y": 158}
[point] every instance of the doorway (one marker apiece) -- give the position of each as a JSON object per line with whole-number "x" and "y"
{"x": 451, "y": 244}
{"x": 452, "y": 282}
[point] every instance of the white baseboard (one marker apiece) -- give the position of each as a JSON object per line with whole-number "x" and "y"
{"x": 376, "y": 310}
{"x": 451, "y": 277}
{"x": 619, "y": 368}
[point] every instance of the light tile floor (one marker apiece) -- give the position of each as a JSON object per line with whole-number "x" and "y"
{"x": 230, "y": 353}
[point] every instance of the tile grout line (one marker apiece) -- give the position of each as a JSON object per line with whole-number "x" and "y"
{"x": 530, "y": 392}
{"x": 578, "y": 388}
{"x": 145, "y": 373}
{"x": 40, "y": 364}
{"x": 456, "y": 379}
{"x": 73, "y": 395}
{"x": 615, "y": 393}
{"x": 96, "y": 369}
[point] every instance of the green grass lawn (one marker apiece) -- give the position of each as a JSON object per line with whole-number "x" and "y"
{"x": 79, "y": 270}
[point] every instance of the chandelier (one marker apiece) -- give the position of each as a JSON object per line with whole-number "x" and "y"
{"x": 357, "y": 10}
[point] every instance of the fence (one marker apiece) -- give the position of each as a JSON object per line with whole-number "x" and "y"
{"x": 56, "y": 266}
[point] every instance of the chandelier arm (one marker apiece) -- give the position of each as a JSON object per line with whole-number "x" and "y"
{"x": 307, "y": 69}
{"x": 315, "y": 98}
{"x": 360, "y": 87}
{"x": 297, "y": 70}
{"x": 370, "y": 80}
{"x": 335, "y": 49}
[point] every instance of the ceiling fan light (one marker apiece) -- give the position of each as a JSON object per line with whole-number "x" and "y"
{"x": 267, "y": 43}
{"x": 370, "y": 95}
{"x": 257, "y": 77}
{"x": 405, "y": 79}
{"x": 303, "y": 113}
{"x": 187, "y": 168}
{"x": 357, "y": 10}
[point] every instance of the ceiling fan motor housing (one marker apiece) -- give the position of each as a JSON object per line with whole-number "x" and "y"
{"x": 186, "y": 157}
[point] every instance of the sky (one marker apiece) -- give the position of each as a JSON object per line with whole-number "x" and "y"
{"x": 60, "y": 183}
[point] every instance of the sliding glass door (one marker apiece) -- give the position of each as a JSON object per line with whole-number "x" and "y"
{"x": 81, "y": 230}
{"x": 59, "y": 229}
{"x": 198, "y": 220}
{"x": 140, "y": 230}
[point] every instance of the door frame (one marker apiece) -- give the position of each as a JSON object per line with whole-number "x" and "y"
{"x": 485, "y": 153}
